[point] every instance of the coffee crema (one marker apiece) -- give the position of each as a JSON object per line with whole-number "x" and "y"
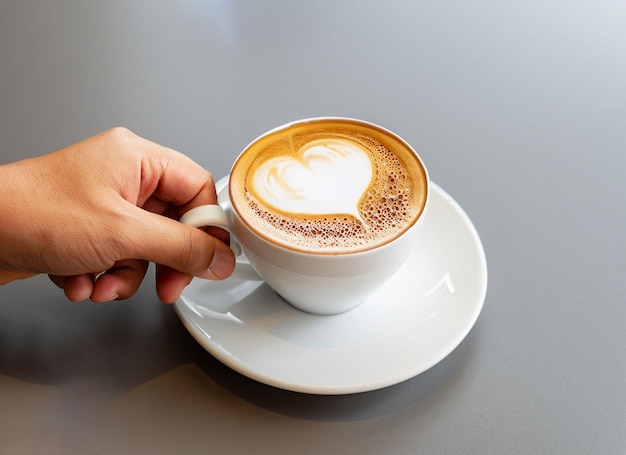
{"x": 329, "y": 186}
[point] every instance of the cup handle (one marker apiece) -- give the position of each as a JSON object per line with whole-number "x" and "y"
{"x": 211, "y": 215}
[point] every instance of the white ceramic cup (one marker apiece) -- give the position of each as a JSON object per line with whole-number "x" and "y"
{"x": 316, "y": 283}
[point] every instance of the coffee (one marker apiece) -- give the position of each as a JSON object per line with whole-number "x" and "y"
{"x": 329, "y": 186}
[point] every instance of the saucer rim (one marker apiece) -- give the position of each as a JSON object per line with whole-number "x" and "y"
{"x": 453, "y": 341}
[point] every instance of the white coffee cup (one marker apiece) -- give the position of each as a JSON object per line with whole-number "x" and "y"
{"x": 319, "y": 282}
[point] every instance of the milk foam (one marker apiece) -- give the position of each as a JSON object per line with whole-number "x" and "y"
{"x": 328, "y": 189}
{"x": 325, "y": 177}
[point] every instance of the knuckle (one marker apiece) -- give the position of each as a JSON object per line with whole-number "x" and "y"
{"x": 120, "y": 133}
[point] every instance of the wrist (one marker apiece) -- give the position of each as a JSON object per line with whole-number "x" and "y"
{"x": 13, "y": 226}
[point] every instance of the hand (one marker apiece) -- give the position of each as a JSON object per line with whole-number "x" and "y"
{"x": 106, "y": 205}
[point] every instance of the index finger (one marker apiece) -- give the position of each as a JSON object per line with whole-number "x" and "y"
{"x": 173, "y": 182}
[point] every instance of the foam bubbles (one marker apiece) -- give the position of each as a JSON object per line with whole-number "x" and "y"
{"x": 386, "y": 205}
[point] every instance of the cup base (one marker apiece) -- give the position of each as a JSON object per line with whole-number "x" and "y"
{"x": 337, "y": 309}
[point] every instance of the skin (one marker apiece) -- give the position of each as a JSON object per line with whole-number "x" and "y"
{"x": 94, "y": 214}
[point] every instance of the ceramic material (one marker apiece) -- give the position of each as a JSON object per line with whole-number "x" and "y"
{"x": 401, "y": 330}
{"x": 339, "y": 280}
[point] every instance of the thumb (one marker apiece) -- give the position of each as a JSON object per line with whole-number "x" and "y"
{"x": 165, "y": 241}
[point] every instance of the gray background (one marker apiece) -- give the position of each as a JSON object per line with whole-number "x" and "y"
{"x": 517, "y": 108}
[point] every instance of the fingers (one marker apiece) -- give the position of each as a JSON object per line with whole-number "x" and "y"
{"x": 219, "y": 234}
{"x": 171, "y": 179}
{"x": 119, "y": 282}
{"x": 222, "y": 263}
{"x": 189, "y": 250}
{"x": 170, "y": 283}
{"x": 179, "y": 251}
{"x": 76, "y": 287}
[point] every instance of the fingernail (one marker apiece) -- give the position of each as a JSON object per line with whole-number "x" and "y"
{"x": 113, "y": 297}
{"x": 222, "y": 265}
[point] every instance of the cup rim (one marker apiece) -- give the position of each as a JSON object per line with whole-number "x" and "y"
{"x": 330, "y": 119}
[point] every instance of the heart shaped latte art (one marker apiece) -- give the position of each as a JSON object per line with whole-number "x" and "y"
{"x": 327, "y": 177}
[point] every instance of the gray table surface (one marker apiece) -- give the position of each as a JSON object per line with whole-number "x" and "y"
{"x": 519, "y": 111}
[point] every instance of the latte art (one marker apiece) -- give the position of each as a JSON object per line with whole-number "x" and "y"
{"x": 328, "y": 187}
{"x": 325, "y": 177}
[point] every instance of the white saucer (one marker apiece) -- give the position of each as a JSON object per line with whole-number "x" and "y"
{"x": 412, "y": 322}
